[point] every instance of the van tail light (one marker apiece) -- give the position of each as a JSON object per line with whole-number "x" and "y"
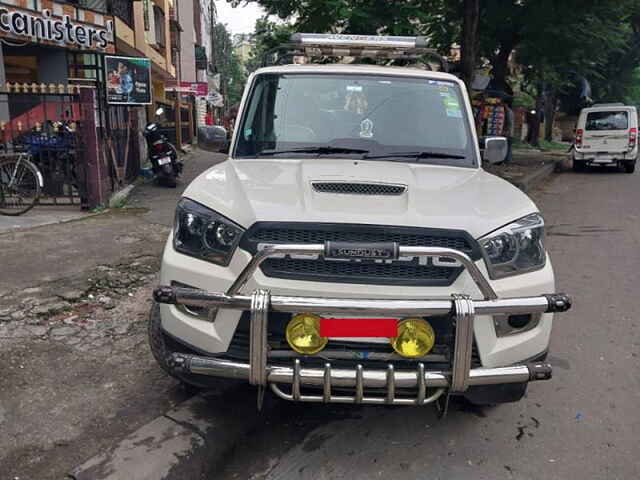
{"x": 579, "y": 135}
{"x": 633, "y": 138}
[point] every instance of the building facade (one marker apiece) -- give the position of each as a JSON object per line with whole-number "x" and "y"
{"x": 54, "y": 68}
{"x": 196, "y": 19}
{"x": 42, "y": 39}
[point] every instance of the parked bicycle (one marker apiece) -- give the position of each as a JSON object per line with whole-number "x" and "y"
{"x": 20, "y": 184}
{"x": 21, "y": 173}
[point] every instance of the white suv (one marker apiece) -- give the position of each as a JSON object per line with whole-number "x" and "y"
{"x": 607, "y": 135}
{"x": 352, "y": 249}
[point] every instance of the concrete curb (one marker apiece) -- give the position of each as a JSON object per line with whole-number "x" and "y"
{"x": 121, "y": 196}
{"x": 82, "y": 215}
{"x": 535, "y": 178}
{"x": 186, "y": 442}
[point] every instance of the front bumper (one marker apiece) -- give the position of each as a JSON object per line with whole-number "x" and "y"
{"x": 428, "y": 385}
{"x": 425, "y": 386}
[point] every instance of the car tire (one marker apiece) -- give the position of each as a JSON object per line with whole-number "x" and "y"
{"x": 630, "y": 167}
{"x": 493, "y": 395}
{"x": 162, "y": 346}
{"x": 579, "y": 166}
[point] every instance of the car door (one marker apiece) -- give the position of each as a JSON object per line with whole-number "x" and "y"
{"x": 607, "y": 132}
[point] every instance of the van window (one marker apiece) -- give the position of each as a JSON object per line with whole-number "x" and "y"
{"x": 607, "y": 121}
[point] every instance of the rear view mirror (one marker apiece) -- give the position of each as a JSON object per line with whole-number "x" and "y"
{"x": 494, "y": 149}
{"x": 213, "y": 139}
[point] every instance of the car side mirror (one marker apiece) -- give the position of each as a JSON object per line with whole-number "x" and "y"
{"x": 213, "y": 138}
{"x": 494, "y": 149}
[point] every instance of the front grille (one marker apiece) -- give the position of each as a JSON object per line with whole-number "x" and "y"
{"x": 365, "y": 272}
{"x": 401, "y": 272}
{"x": 350, "y": 188}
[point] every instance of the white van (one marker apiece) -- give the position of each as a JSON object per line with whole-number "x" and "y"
{"x": 607, "y": 134}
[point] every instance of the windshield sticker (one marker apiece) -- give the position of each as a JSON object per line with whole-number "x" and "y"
{"x": 451, "y": 102}
{"x": 354, "y": 88}
{"x": 247, "y": 132}
{"x": 440, "y": 82}
{"x": 452, "y": 105}
{"x": 366, "y": 128}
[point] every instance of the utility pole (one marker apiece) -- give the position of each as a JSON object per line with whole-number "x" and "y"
{"x": 214, "y": 58}
{"x": 178, "y": 102}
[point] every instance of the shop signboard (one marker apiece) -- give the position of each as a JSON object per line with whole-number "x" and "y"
{"x": 215, "y": 99}
{"x": 45, "y": 27}
{"x": 199, "y": 89}
{"x": 128, "y": 80}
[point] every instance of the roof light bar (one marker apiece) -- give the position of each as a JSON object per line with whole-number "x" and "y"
{"x": 375, "y": 42}
{"x": 358, "y": 46}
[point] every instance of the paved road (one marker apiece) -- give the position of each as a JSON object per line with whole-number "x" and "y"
{"x": 53, "y": 252}
{"x": 584, "y": 424}
{"x": 76, "y": 374}
{"x": 161, "y": 201}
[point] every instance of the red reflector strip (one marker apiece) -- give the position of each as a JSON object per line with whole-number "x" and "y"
{"x": 359, "y": 327}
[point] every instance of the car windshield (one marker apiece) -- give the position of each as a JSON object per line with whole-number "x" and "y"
{"x": 607, "y": 121}
{"x": 409, "y": 119}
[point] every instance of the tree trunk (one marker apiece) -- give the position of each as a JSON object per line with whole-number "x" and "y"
{"x": 535, "y": 120}
{"x": 549, "y": 114}
{"x": 469, "y": 43}
{"x": 501, "y": 65}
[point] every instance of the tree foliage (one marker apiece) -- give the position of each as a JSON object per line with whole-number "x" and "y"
{"x": 555, "y": 41}
{"x": 267, "y": 36}
{"x": 228, "y": 65}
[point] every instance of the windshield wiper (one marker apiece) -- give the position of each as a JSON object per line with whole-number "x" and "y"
{"x": 420, "y": 154}
{"x": 326, "y": 150}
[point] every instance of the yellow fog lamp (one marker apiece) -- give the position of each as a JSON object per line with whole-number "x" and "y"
{"x": 415, "y": 338}
{"x": 303, "y": 334}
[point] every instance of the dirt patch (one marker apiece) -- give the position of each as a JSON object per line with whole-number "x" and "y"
{"x": 77, "y": 373}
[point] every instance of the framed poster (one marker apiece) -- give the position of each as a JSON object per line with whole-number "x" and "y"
{"x": 128, "y": 80}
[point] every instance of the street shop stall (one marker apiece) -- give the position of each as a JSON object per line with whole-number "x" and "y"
{"x": 489, "y": 113}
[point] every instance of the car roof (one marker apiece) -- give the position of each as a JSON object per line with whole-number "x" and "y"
{"x": 608, "y": 108}
{"x": 363, "y": 69}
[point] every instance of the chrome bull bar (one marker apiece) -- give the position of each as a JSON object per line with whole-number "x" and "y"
{"x": 461, "y": 307}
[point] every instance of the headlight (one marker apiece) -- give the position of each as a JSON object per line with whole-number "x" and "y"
{"x": 516, "y": 248}
{"x": 205, "y": 234}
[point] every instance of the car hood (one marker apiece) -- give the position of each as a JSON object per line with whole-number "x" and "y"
{"x": 247, "y": 191}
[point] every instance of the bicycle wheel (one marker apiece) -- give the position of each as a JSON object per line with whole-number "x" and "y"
{"x": 20, "y": 183}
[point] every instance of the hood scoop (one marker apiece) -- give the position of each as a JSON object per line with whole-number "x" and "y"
{"x": 360, "y": 188}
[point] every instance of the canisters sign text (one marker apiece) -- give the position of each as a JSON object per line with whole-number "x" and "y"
{"x": 45, "y": 27}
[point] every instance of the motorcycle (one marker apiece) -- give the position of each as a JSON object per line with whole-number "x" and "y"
{"x": 163, "y": 155}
